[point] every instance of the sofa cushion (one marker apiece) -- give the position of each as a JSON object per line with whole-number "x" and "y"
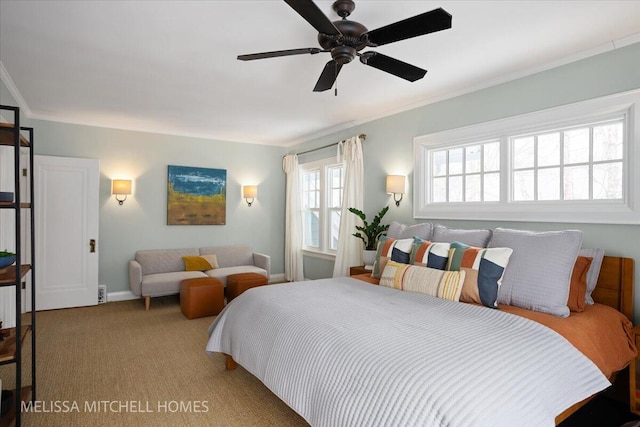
{"x": 163, "y": 261}
{"x": 166, "y": 283}
{"x": 230, "y": 256}
{"x": 222, "y": 272}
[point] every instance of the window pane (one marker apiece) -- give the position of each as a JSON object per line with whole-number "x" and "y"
{"x": 491, "y": 156}
{"x": 473, "y": 189}
{"x": 607, "y": 142}
{"x": 439, "y": 190}
{"x": 439, "y": 163}
{"x": 576, "y": 183}
{"x": 549, "y": 184}
{"x": 455, "y": 161}
{"x": 311, "y": 229}
{"x": 549, "y": 149}
{"x": 523, "y": 152}
{"x": 335, "y": 228}
{"x": 576, "y": 146}
{"x": 455, "y": 189}
{"x": 607, "y": 181}
{"x": 491, "y": 187}
{"x": 336, "y": 177}
{"x": 523, "y": 185}
{"x": 472, "y": 157}
{"x": 336, "y": 198}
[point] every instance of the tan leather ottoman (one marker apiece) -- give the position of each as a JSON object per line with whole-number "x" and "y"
{"x": 201, "y": 297}
{"x": 238, "y": 283}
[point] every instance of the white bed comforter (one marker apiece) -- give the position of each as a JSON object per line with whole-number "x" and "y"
{"x": 342, "y": 352}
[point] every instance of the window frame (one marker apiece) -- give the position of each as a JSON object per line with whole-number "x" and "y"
{"x": 324, "y": 167}
{"x": 625, "y": 211}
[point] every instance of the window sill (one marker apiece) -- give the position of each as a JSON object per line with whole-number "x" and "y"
{"x": 319, "y": 255}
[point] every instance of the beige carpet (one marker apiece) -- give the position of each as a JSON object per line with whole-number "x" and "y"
{"x": 140, "y": 368}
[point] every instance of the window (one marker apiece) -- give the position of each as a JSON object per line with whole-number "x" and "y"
{"x": 579, "y": 163}
{"x": 322, "y": 187}
{"x": 568, "y": 164}
{"x": 466, "y": 173}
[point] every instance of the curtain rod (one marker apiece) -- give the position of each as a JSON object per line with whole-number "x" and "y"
{"x": 361, "y": 136}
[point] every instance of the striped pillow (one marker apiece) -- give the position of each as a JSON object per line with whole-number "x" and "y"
{"x": 429, "y": 254}
{"x": 391, "y": 249}
{"x": 442, "y": 284}
{"x": 484, "y": 268}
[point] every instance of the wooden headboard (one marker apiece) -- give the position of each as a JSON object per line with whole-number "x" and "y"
{"x": 615, "y": 285}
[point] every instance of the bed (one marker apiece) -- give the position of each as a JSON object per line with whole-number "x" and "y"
{"x": 335, "y": 351}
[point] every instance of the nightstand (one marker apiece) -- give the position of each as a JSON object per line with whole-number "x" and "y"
{"x": 359, "y": 269}
{"x": 634, "y": 380}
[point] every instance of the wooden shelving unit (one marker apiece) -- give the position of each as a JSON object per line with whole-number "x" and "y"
{"x": 11, "y": 347}
{"x": 8, "y": 346}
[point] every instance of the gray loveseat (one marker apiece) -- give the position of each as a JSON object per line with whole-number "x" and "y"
{"x": 155, "y": 273}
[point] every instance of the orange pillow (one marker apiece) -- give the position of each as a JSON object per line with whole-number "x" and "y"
{"x": 578, "y": 286}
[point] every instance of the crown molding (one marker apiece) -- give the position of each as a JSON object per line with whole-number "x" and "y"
{"x": 13, "y": 90}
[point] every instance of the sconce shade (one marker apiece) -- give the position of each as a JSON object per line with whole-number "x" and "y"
{"x": 249, "y": 191}
{"x": 395, "y": 184}
{"x": 121, "y": 186}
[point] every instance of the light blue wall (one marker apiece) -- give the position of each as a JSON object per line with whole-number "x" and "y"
{"x": 388, "y": 148}
{"x": 141, "y": 222}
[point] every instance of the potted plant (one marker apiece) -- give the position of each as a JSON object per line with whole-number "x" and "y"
{"x": 369, "y": 233}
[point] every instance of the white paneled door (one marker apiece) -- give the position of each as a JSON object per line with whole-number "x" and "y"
{"x": 66, "y": 214}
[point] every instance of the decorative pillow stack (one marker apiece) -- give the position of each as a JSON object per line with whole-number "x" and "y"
{"x": 442, "y": 284}
{"x": 484, "y": 268}
{"x": 539, "y": 270}
{"x": 391, "y": 249}
{"x": 429, "y": 254}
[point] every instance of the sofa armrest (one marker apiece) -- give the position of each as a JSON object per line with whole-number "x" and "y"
{"x": 135, "y": 277}
{"x": 263, "y": 261}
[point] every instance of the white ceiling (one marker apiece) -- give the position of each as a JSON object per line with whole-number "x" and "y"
{"x": 170, "y": 66}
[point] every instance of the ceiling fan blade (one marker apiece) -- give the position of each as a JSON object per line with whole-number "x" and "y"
{"x": 314, "y": 16}
{"x": 276, "y": 53}
{"x": 429, "y": 22}
{"x": 328, "y": 76}
{"x": 392, "y": 66}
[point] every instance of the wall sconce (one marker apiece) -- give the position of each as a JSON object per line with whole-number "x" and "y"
{"x": 249, "y": 192}
{"x": 396, "y": 185}
{"x": 121, "y": 187}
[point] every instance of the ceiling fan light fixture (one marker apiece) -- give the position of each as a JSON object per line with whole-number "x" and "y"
{"x": 343, "y": 54}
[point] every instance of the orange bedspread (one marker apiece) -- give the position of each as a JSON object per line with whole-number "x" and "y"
{"x": 601, "y": 333}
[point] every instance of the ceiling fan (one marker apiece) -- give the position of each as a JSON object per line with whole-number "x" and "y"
{"x": 345, "y": 39}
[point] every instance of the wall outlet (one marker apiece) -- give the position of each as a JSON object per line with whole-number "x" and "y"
{"x": 102, "y": 294}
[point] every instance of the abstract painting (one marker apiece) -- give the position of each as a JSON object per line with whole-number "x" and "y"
{"x": 196, "y": 196}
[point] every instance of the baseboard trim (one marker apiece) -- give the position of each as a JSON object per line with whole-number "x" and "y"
{"x": 121, "y": 296}
{"x": 276, "y": 278}
{"x": 128, "y": 295}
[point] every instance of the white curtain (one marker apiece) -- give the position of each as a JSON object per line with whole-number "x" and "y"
{"x": 350, "y": 248}
{"x": 293, "y": 261}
